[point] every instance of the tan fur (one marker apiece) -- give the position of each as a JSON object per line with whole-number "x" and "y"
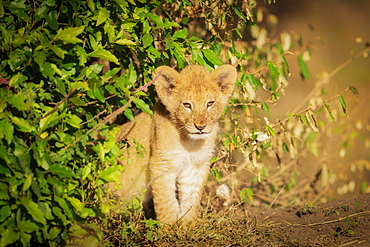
{"x": 179, "y": 140}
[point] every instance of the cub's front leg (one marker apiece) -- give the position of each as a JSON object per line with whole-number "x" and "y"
{"x": 190, "y": 185}
{"x": 164, "y": 188}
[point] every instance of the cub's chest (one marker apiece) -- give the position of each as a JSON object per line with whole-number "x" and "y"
{"x": 181, "y": 158}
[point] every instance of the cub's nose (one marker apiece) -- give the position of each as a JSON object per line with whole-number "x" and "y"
{"x": 200, "y": 126}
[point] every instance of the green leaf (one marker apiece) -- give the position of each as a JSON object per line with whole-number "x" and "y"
{"x": 102, "y": 16}
{"x": 270, "y": 130}
{"x": 212, "y": 57}
{"x": 81, "y": 53}
{"x": 104, "y": 54}
{"x": 34, "y": 210}
{"x": 91, "y": 5}
{"x": 61, "y": 171}
{"x": 22, "y": 124}
{"x": 216, "y": 174}
{"x": 58, "y": 51}
{"x": 238, "y": 12}
{"x": 303, "y": 120}
{"x": 354, "y": 91}
{"x": 4, "y": 170}
{"x": 124, "y": 42}
{"x": 274, "y": 73}
{"x": 303, "y": 67}
{"x": 111, "y": 174}
{"x": 167, "y": 25}
{"x": 77, "y": 204}
{"x": 66, "y": 209}
{"x": 142, "y": 105}
{"x": 49, "y": 121}
{"x": 285, "y": 147}
{"x": 147, "y": 40}
{"x": 246, "y": 195}
{"x": 328, "y": 108}
{"x": 8, "y": 236}
{"x": 27, "y": 182}
{"x": 266, "y": 108}
{"x": 74, "y": 121}
{"x": 14, "y": 79}
{"x": 254, "y": 82}
{"x": 182, "y": 33}
{"x": 343, "y": 104}
{"x": 238, "y": 32}
{"x": 27, "y": 226}
{"x": 69, "y": 35}
{"x": 17, "y": 101}
{"x": 5, "y": 212}
{"x": 7, "y": 130}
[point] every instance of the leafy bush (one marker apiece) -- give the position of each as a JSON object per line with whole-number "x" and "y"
{"x": 68, "y": 68}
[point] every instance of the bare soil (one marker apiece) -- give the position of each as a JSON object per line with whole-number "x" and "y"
{"x": 339, "y": 223}
{"x": 344, "y": 222}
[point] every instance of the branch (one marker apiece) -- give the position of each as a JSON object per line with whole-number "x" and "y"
{"x": 322, "y": 81}
{"x": 115, "y": 113}
{"x": 310, "y": 107}
{"x": 57, "y": 105}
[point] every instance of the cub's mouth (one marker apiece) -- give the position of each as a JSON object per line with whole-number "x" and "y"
{"x": 199, "y": 135}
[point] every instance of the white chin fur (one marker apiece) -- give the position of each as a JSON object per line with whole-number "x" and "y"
{"x": 199, "y": 136}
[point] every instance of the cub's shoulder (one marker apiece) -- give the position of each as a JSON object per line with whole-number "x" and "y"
{"x": 137, "y": 129}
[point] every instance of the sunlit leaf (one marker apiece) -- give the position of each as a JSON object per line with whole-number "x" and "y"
{"x": 104, "y": 54}
{"x": 354, "y": 90}
{"x": 124, "y": 42}
{"x": 62, "y": 171}
{"x": 22, "y": 124}
{"x": 328, "y": 108}
{"x": 5, "y": 212}
{"x": 68, "y": 35}
{"x": 58, "y": 51}
{"x": 182, "y": 33}
{"x": 212, "y": 57}
{"x": 102, "y": 16}
{"x": 167, "y": 25}
{"x": 266, "y": 108}
{"x": 142, "y": 105}
{"x": 111, "y": 173}
{"x": 216, "y": 174}
{"x": 147, "y": 40}
{"x": 343, "y": 104}
{"x": 303, "y": 67}
{"x": 34, "y": 210}
{"x": 270, "y": 130}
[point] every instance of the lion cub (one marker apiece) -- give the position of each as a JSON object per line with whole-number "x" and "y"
{"x": 177, "y": 142}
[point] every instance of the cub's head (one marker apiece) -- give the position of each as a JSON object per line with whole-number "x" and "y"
{"x": 195, "y": 97}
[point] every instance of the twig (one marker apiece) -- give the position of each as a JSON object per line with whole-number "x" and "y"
{"x": 102, "y": 123}
{"x": 310, "y": 107}
{"x": 149, "y": 83}
{"x": 321, "y": 82}
{"x": 272, "y": 203}
{"x": 57, "y": 105}
{"x": 330, "y": 221}
{"x": 115, "y": 113}
{"x": 264, "y": 67}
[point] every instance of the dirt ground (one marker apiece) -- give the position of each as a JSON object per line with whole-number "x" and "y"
{"x": 343, "y": 222}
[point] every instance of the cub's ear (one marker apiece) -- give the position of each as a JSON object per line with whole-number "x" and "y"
{"x": 166, "y": 81}
{"x": 225, "y": 76}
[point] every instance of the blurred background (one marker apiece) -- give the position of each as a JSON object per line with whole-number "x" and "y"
{"x": 336, "y": 31}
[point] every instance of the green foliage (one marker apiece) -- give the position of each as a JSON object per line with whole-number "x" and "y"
{"x": 67, "y": 68}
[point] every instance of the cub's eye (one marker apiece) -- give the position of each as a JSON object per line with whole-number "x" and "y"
{"x": 187, "y": 105}
{"x": 210, "y": 103}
